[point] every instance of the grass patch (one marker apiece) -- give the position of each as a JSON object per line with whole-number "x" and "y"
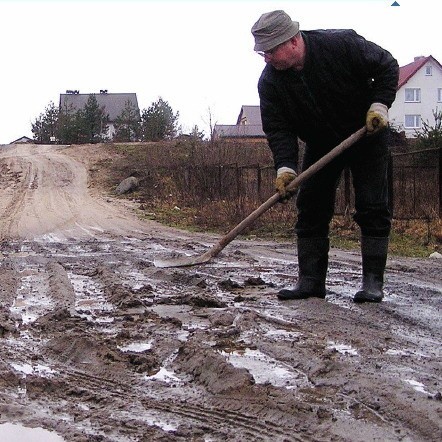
{"x": 343, "y": 235}
{"x": 190, "y": 202}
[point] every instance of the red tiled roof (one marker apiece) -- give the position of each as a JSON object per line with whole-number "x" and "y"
{"x": 407, "y": 71}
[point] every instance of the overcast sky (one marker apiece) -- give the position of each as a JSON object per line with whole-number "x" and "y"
{"x": 197, "y": 55}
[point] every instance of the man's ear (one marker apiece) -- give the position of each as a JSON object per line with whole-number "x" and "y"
{"x": 294, "y": 40}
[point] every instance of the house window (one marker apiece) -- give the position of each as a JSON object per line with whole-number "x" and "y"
{"x": 439, "y": 95}
{"x": 412, "y": 121}
{"x": 412, "y": 95}
{"x": 428, "y": 70}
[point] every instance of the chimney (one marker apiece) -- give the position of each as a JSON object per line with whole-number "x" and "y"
{"x": 419, "y": 57}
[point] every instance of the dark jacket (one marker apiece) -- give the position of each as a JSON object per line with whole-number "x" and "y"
{"x": 328, "y": 99}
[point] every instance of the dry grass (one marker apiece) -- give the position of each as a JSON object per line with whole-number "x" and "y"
{"x": 170, "y": 197}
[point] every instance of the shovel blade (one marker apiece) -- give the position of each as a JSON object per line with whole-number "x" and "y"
{"x": 182, "y": 261}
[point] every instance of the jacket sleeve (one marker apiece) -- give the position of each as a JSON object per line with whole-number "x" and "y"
{"x": 282, "y": 138}
{"x": 380, "y": 66}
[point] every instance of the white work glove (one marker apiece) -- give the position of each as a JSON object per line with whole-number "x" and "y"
{"x": 377, "y": 118}
{"x": 284, "y": 176}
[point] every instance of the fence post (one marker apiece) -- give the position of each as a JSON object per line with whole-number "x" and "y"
{"x": 238, "y": 184}
{"x": 390, "y": 172}
{"x": 440, "y": 182}
{"x": 221, "y": 184}
{"x": 347, "y": 189}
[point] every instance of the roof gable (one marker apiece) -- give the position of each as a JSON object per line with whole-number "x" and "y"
{"x": 250, "y": 115}
{"x": 22, "y": 140}
{"x": 407, "y": 71}
{"x": 113, "y": 103}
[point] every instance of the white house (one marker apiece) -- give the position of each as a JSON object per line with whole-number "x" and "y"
{"x": 419, "y": 95}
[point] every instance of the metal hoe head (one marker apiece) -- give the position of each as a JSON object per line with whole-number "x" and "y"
{"x": 183, "y": 261}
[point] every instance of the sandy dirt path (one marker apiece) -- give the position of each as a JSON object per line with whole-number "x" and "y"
{"x": 98, "y": 344}
{"x": 44, "y": 192}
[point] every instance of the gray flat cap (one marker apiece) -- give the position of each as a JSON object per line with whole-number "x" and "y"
{"x": 272, "y": 29}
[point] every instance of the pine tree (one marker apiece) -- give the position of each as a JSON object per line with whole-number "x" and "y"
{"x": 128, "y": 124}
{"x": 92, "y": 120}
{"x": 158, "y": 122}
{"x": 45, "y": 127}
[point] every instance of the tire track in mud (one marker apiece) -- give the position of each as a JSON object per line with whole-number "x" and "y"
{"x": 250, "y": 318}
{"x": 62, "y": 292}
{"x": 50, "y": 196}
{"x": 9, "y": 215}
{"x": 204, "y": 415}
{"x": 97, "y": 343}
{"x": 29, "y": 176}
{"x": 62, "y": 285}
{"x": 247, "y": 425}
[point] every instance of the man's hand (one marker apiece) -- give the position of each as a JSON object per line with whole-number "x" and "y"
{"x": 284, "y": 176}
{"x": 377, "y": 118}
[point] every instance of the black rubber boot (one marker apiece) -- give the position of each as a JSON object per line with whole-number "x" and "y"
{"x": 374, "y": 257}
{"x": 313, "y": 262}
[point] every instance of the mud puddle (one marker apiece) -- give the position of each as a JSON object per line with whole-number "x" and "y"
{"x": 18, "y": 433}
{"x": 99, "y": 344}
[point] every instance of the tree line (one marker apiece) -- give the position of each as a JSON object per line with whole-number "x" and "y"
{"x": 68, "y": 125}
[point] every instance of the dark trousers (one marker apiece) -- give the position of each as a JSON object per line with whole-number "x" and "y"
{"x": 368, "y": 162}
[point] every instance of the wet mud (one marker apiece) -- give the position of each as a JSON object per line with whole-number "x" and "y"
{"x": 98, "y": 344}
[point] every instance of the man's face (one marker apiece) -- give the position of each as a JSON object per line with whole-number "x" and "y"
{"x": 287, "y": 55}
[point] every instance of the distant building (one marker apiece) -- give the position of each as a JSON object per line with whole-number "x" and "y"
{"x": 419, "y": 95}
{"x": 113, "y": 104}
{"x": 22, "y": 140}
{"x": 248, "y": 126}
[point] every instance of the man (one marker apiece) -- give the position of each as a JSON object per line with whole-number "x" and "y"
{"x": 321, "y": 86}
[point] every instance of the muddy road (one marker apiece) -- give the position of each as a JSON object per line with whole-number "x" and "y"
{"x": 97, "y": 344}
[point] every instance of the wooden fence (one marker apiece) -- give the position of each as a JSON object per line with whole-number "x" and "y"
{"x": 415, "y": 186}
{"x": 415, "y": 182}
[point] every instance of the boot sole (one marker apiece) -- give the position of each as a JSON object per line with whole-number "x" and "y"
{"x": 287, "y": 295}
{"x": 361, "y": 297}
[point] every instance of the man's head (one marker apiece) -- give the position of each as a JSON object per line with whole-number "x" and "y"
{"x": 272, "y": 29}
{"x": 278, "y": 40}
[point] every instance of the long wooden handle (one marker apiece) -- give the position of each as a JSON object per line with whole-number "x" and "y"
{"x": 246, "y": 222}
{"x": 327, "y": 158}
